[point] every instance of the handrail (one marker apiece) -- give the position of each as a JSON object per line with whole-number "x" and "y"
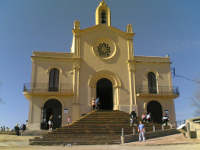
{"x": 45, "y": 87}
{"x": 144, "y": 89}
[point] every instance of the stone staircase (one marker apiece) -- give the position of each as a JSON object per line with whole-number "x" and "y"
{"x": 95, "y": 128}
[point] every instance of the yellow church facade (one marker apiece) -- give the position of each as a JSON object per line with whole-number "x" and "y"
{"x": 101, "y": 64}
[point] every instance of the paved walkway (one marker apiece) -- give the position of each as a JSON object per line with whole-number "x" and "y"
{"x": 172, "y": 142}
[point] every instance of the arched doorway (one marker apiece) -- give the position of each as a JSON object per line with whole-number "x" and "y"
{"x": 155, "y": 109}
{"x": 105, "y": 93}
{"x": 52, "y": 107}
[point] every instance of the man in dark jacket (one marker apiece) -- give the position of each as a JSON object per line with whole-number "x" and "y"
{"x": 134, "y": 116}
{"x": 17, "y": 129}
{"x": 165, "y": 119}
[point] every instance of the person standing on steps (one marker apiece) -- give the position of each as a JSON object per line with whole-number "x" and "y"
{"x": 50, "y": 122}
{"x": 97, "y": 103}
{"x": 143, "y": 118}
{"x": 93, "y": 103}
{"x": 69, "y": 120}
{"x": 165, "y": 119}
{"x": 17, "y": 129}
{"x": 134, "y": 116}
{"x": 149, "y": 118}
{"x": 141, "y": 130}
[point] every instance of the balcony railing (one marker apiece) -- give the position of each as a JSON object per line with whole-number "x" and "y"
{"x": 42, "y": 88}
{"x": 159, "y": 90}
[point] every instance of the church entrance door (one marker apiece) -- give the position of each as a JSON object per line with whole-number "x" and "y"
{"x": 155, "y": 109}
{"x": 104, "y": 91}
{"x": 52, "y": 107}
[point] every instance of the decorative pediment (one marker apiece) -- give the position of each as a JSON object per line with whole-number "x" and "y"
{"x": 104, "y": 28}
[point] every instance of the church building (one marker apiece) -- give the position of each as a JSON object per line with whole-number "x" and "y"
{"x": 101, "y": 64}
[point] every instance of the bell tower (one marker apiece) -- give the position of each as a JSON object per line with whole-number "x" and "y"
{"x": 102, "y": 14}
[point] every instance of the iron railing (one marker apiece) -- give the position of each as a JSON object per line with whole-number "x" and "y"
{"x": 45, "y": 88}
{"x": 180, "y": 122}
{"x": 159, "y": 90}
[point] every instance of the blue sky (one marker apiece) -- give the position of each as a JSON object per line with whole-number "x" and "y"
{"x": 162, "y": 27}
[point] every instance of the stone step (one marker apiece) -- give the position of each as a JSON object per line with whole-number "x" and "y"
{"x": 103, "y": 122}
{"x": 93, "y": 132}
{"x": 76, "y": 142}
{"x": 103, "y": 128}
{"x": 97, "y": 127}
{"x": 82, "y": 136}
{"x": 105, "y": 118}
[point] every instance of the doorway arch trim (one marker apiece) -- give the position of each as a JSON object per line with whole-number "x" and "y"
{"x": 104, "y": 74}
{"x": 53, "y": 97}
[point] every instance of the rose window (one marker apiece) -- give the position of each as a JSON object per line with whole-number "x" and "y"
{"x": 103, "y": 50}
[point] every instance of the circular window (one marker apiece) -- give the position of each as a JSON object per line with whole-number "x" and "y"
{"x": 104, "y": 48}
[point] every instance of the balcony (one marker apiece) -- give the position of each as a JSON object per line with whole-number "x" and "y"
{"x": 44, "y": 88}
{"x": 159, "y": 91}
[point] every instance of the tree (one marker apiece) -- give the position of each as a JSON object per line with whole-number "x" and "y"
{"x": 196, "y": 98}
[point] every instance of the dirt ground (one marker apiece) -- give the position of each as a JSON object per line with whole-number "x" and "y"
{"x": 172, "y": 142}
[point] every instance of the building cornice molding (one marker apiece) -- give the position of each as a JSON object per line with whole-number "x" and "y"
{"x": 151, "y": 62}
{"x": 52, "y": 56}
{"x": 34, "y": 58}
{"x": 125, "y": 35}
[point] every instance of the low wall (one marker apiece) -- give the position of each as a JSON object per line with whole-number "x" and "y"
{"x": 8, "y": 132}
{"x": 148, "y": 135}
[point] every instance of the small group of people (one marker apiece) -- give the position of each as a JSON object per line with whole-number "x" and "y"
{"x": 5, "y": 129}
{"x": 133, "y": 118}
{"x": 141, "y": 127}
{"x": 96, "y": 103}
{"x": 147, "y": 118}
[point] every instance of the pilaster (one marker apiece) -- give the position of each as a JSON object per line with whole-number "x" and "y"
{"x": 76, "y": 83}
{"x": 132, "y": 84}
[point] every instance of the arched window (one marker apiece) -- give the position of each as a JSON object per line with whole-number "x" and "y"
{"x": 53, "y": 80}
{"x": 103, "y": 16}
{"x": 152, "y": 83}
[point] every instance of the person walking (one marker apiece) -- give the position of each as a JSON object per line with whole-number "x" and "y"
{"x": 141, "y": 130}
